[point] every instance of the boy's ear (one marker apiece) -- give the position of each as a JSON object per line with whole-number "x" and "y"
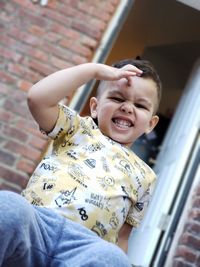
{"x": 153, "y": 122}
{"x": 93, "y": 107}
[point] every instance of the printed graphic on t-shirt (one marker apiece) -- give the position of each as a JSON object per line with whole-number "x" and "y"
{"x": 90, "y": 178}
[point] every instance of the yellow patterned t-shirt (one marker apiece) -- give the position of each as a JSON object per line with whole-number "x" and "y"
{"x": 91, "y": 179}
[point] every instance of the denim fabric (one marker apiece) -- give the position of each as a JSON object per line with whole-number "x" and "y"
{"x": 33, "y": 236}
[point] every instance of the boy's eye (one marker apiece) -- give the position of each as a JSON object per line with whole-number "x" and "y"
{"x": 117, "y": 99}
{"x": 141, "y": 106}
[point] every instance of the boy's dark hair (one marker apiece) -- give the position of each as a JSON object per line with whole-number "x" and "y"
{"x": 148, "y": 72}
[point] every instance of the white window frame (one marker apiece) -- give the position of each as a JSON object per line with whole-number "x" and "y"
{"x": 170, "y": 168}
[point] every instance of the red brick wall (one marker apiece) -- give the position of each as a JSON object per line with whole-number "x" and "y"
{"x": 36, "y": 41}
{"x": 187, "y": 253}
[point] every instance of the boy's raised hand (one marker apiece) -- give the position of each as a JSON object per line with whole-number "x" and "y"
{"x": 44, "y": 96}
{"x": 109, "y": 73}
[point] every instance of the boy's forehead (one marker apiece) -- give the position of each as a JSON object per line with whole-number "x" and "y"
{"x": 116, "y": 86}
{"x": 123, "y": 86}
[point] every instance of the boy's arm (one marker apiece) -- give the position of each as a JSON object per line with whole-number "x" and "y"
{"x": 123, "y": 236}
{"x": 44, "y": 96}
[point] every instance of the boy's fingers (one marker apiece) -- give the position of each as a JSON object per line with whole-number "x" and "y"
{"x": 132, "y": 68}
{"x": 128, "y": 81}
{"x": 131, "y": 73}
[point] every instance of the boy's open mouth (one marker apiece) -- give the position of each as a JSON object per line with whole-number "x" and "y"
{"x": 122, "y": 123}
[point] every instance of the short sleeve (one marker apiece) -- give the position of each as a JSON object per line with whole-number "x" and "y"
{"x": 138, "y": 209}
{"x": 66, "y": 123}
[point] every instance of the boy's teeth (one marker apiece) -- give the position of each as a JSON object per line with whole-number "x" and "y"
{"x": 120, "y": 122}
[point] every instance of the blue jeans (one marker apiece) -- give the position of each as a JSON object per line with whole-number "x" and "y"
{"x": 35, "y": 237}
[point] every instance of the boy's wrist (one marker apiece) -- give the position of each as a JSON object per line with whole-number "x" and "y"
{"x": 95, "y": 69}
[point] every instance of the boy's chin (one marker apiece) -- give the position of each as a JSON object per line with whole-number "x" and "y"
{"x": 122, "y": 142}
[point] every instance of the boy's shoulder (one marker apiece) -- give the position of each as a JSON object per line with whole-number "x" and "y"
{"x": 140, "y": 165}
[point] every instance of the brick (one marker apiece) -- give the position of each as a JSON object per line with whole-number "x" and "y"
{"x": 25, "y": 4}
{"x": 101, "y": 16}
{"x": 107, "y": 7}
{"x": 6, "y": 18}
{"x": 194, "y": 227}
{"x": 53, "y": 4}
{"x": 26, "y": 73}
{"x": 9, "y": 41}
{"x": 115, "y": 2}
{"x": 6, "y": 116}
{"x": 2, "y": 139}
{"x": 24, "y": 37}
{"x": 16, "y": 69}
{"x": 73, "y": 3}
{"x": 7, "y": 158}
{"x": 42, "y": 68}
{"x": 52, "y": 37}
{"x": 69, "y": 11}
{"x": 181, "y": 263}
{"x": 10, "y": 187}
{"x": 31, "y": 127}
{"x": 7, "y": 78}
{"x": 15, "y": 133}
{"x": 59, "y": 63}
{"x": 5, "y": 89}
{"x": 35, "y": 18}
{"x": 2, "y": 27}
{"x": 34, "y": 131}
{"x": 87, "y": 29}
{"x": 38, "y": 54}
{"x": 57, "y": 51}
{"x": 2, "y": 5}
{"x": 196, "y": 202}
{"x": 26, "y": 125}
{"x": 103, "y": 6}
{"x": 9, "y": 54}
{"x": 9, "y": 8}
{"x": 13, "y": 176}
{"x": 190, "y": 240}
{"x": 76, "y": 47}
{"x": 186, "y": 253}
{"x": 195, "y": 214}
{"x": 26, "y": 166}
{"x": 17, "y": 109}
{"x": 25, "y": 49}
{"x": 19, "y": 96}
{"x": 89, "y": 42}
{"x": 38, "y": 143}
{"x": 76, "y": 59}
{"x": 197, "y": 263}
{"x": 87, "y": 9}
{"x": 24, "y": 85}
{"x": 36, "y": 30}
{"x": 66, "y": 32}
{"x": 55, "y": 16}
{"x": 17, "y": 148}
{"x": 98, "y": 24}
{"x": 198, "y": 190}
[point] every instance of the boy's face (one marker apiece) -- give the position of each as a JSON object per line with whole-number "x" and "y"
{"x": 126, "y": 111}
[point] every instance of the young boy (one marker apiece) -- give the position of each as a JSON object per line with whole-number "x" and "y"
{"x": 89, "y": 188}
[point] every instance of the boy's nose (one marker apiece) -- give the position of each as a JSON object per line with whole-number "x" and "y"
{"x": 127, "y": 108}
